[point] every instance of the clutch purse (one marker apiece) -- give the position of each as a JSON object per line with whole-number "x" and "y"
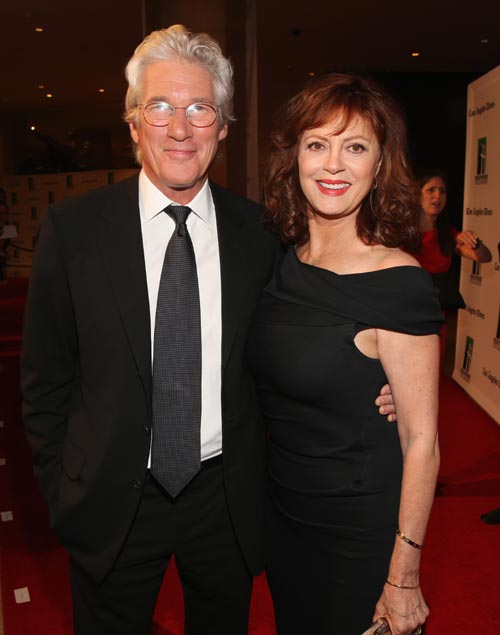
{"x": 380, "y": 627}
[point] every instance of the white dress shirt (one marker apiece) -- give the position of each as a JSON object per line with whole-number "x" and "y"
{"x": 157, "y": 228}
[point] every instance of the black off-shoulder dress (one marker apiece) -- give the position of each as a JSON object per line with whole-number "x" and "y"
{"x": 335, "y": 463}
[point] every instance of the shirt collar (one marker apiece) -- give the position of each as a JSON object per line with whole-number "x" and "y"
{"x": 152, "y": 202}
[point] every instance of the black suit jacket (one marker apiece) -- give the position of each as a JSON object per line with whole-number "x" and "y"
{"x": 86, "y": 368}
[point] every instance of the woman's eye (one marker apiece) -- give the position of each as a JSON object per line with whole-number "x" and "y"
{"x": 314, "y": 145}
{"x": 357, "y": 148}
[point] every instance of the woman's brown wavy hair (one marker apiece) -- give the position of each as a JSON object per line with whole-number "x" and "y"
{"x": 389, "y": 214}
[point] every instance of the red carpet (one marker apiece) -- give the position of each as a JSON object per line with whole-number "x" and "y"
{"x": 461, "y": 561}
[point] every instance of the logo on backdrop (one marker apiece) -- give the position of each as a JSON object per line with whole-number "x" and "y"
{"x": 481, "y": 177}
{"x": 476, "y": 277}
{"x": 475, "y": 312}
{"x": 467, "y": 361}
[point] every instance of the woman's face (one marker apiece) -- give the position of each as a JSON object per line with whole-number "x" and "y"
{"x": 433, "y": 197}
{"x": 336, "y": 170}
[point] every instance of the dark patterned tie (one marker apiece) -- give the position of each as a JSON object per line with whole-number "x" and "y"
{"x": 175, "y": 454}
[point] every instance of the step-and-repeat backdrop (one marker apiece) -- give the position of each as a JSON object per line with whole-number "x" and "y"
{"x": 477, "y": 356}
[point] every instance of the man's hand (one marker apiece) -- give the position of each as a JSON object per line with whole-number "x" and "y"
{"x": 385, "y": 403}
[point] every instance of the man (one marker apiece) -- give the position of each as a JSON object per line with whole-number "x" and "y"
{"x": 95, "y": 378}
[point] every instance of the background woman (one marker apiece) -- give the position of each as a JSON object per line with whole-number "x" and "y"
{"x": 346, "y": 311}
{"x": 441, "y": 242}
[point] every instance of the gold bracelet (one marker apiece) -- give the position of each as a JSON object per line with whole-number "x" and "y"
{"x": 408, "y": 541}
{"x": 401, "y": 586}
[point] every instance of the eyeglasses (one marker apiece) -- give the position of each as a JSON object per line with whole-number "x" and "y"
{"x": 199, "y": 114}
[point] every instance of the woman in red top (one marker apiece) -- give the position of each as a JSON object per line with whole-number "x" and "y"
{"x": 441, "y": 241}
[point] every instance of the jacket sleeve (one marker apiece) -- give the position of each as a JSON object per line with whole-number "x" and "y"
{"x": 49, "y": 359}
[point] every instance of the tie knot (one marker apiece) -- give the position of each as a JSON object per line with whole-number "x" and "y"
{"x": 178, "y": 213}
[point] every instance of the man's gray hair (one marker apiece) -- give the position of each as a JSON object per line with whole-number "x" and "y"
{"x": 177, "y": 43}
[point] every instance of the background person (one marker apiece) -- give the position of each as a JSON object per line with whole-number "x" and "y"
{"x": 347, "y": 309}
{"x": 4, "y": 240}
{"x": 442, "y": 244}
{"x": 440, "y": 240}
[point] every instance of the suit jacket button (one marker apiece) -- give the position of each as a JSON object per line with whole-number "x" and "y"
{"x": 137, "y": 484}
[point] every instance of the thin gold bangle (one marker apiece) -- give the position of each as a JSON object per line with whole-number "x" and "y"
{"x": 408, "y": 540}
{"x": 401, "y": 586}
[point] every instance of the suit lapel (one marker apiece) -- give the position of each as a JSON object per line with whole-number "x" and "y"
{"x": 232, "y": 253}
{"x": 120, "y": 240}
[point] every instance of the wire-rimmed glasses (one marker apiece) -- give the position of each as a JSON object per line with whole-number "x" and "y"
{"x": 200, "y": 114}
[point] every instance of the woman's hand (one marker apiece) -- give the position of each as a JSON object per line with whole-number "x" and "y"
{"x": 404, "y": 609}
{"x": 469, "y": 245}
{"x": 467, "y": 238}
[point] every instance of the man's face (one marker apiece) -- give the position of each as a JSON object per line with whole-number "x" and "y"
{"x": 176, "y": 157}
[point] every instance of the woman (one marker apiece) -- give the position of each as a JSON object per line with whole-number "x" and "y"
{"x": 346, "y": 311}
{"x": 440, "y": 240}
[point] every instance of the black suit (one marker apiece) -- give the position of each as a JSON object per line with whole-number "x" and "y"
{"x": 86, "y": 369}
